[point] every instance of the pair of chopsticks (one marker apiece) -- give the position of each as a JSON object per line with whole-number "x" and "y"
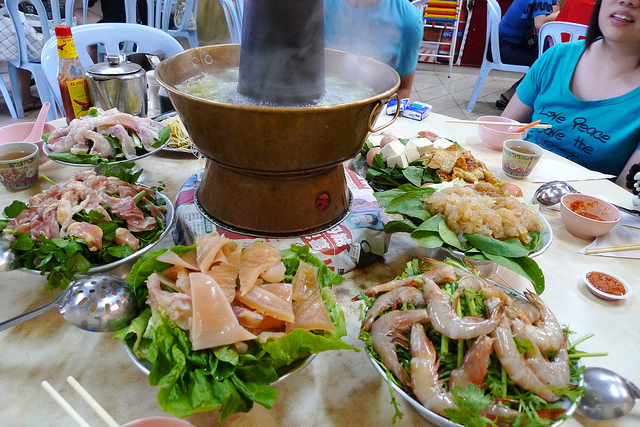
{"x": 616, "y": 248}
{"x": 524, "y": 126}
{"x": 86, "y": 396}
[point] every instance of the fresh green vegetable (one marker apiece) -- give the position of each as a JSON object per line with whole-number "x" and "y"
{"x": 94, "y": 159}
{"x": 431, "y": 231}
{"x": 62, "y": 258}
{"x": 221, "y": 378}
{"x": 498, "y": 385}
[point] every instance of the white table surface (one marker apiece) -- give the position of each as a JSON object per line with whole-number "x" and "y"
{"x": 337, "y": 388}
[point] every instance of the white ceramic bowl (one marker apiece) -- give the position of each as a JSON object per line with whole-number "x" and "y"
{"x": 580, "y": 225}
{"x": 493, "y": 136}
{"x": 602, "y": 294}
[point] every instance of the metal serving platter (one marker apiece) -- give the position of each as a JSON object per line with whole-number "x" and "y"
{"x": 439, "y": 421}
{"x": 145, "y": 366}
{"x": 169, "y": 221}
{"x": 46, "y": 151}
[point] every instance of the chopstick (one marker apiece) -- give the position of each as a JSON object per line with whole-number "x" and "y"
{"x": 86, "y": 396}
{"x": 64, "y": 404}
{"x": 92, "y": 402}
{"x": 482, "y": 122}
{"x": 616, "y": 248}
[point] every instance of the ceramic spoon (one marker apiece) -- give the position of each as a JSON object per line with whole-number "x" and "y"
{"x": 36, "y": 133}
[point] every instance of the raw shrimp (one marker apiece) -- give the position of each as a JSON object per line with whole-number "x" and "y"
{"x": 556, "y": 373}
{"x": 546, "y": 333}
{"x": 474, "y": 365}
{"x": 387, "y": 330}
{"x": 499, "y": 410}
{"x": 515, "y": 365}
{"x": 424, "y": 373}
{"x": 438, "y": 275}
{"x": 398, "y": 296}
{"x": 445, "y": 320}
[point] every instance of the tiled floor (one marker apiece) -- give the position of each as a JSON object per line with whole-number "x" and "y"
{"x": 447, "y": 95}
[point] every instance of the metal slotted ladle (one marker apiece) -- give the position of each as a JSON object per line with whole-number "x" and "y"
{"x": 98, "y": 303}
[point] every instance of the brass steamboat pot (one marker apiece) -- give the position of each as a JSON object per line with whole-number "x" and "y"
{"x": 275, "y": 170}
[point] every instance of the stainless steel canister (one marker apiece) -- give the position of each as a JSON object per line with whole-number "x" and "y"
{"x": 119, "y": 84}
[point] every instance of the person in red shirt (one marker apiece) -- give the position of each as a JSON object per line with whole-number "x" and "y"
{"x": 578, "y": 11}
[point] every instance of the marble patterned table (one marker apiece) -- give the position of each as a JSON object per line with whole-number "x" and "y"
{"x": 337, "y": 388}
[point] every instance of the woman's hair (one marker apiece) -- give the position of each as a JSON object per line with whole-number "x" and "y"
{"x": 593, "y": 32}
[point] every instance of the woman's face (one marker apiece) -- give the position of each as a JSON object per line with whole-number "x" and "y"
{"x": 620, "y": 20}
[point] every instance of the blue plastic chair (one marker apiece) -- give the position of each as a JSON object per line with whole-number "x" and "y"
{"x": 494, "y": 16}
{"x": 162, "y": 19}
{"x": 108, "y": 36}
{"x": 24, "y": 62}
{"x": 233, "y": 12}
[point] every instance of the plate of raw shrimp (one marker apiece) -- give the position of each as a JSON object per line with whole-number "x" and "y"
{"x": 462, "y": 350}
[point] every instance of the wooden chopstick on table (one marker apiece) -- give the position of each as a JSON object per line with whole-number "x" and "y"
{"x": 483, "y": 122}
{"x": 616, "y": 248}
{"x": 86, "y": 396}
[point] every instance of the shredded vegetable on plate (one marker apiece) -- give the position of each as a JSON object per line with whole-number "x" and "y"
{"x": 180, "y": 139}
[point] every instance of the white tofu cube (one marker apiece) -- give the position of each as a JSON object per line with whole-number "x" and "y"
{"x": 400, "y": 160}
{"x": 392, "y": 149}
{"x": 422, "y": 144}
{"x": 411, "y": 153}
{"x": 442, "y": 143}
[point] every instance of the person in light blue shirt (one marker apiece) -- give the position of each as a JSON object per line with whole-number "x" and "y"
{"x": 387, "y": 30}
{"x": 589, "y": 91}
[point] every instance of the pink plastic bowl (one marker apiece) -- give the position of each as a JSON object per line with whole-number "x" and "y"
{"x": 19, "y": 131}
{"x": 158, "y": 422}
{"x": 580, "y": 225}
{"x": 493, "y": 136}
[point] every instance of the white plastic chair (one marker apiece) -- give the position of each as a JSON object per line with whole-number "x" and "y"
{"x": 163, "y": 9}
{"x": 494, "y": 16}
{"x": 31, "y": 64}
{"x": 233, "y": 12}
{"x": 553, "y": 32}
{"x": 109, "y": 36}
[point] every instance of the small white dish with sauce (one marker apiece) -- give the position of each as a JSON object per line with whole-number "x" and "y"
{"x": 597, "y": 289}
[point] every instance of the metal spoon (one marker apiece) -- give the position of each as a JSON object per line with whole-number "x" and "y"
{"x": 607, "y": 395}
{"x": 6, "y": 256}
{"x": 551, "y": 192}
{"x": 97, "y": 303}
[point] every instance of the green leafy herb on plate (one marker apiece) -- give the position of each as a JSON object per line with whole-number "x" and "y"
{"x": 222, "y": 378}
{"x": 431, "y": 231}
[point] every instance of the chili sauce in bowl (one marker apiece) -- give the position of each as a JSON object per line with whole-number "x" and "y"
{"x": 606, "y": 285}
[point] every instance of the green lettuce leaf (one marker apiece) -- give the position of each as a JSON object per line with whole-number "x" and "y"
{"x": 195, "y": 381}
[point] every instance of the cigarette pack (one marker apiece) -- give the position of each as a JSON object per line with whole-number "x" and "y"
{"x": 417, "y": 111}
{"x": 392, "y": 106}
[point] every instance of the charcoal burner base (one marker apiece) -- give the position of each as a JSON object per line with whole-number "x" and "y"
{"x": 273, "y": 204}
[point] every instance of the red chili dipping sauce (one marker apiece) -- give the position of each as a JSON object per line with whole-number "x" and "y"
{"x": 606, "y": 283}
{"x": 580, "y": 207}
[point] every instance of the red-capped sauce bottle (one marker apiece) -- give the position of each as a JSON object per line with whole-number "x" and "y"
{"x": 74, "y": 86}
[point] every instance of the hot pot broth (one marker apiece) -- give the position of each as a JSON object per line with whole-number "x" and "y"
{"x": 223, "y": 87}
